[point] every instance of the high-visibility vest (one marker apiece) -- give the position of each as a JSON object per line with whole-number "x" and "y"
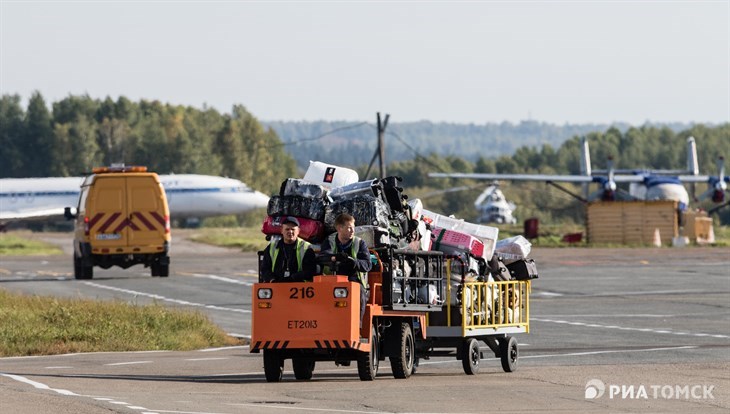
{"x": 361, "y": 276}
{"x": 301, "y": 250}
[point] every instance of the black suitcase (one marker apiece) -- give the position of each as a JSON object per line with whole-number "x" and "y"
{"x": 298, "y": 206}
{"x": 524, "y": 269}
{"x": 367, "y": 211}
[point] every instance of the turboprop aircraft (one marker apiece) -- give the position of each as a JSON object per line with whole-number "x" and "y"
{"x": 643, "y": 184}
{"x": 190, "y": 196}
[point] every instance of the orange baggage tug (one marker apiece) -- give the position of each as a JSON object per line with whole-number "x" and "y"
{"x": 320, "y": 321}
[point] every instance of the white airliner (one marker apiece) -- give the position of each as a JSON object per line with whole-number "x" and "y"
{"x": 189, "y": 196}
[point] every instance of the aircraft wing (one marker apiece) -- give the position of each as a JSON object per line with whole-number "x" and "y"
{"x": 40, "y": 213}
{"x": 541, "y": 177}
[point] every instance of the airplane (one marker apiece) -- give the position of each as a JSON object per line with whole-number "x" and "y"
{"x": 643, "y": 184}
{"x": 190, "y": 197}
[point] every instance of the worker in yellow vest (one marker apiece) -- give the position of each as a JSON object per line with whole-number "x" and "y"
{"x": 352, "y": 253}
{"x": 290, "y": 259}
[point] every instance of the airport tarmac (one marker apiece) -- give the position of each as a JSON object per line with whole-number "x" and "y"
{"x": 651, "y": 326}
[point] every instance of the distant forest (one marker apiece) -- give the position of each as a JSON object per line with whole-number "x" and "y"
{"x": 77, "y": 133}
{"x": 354, "y": 143}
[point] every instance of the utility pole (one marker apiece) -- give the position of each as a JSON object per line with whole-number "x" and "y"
{"x": 380, "y": 150}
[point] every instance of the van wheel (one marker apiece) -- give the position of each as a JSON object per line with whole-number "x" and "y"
{"x": 402, "y": 364}
{"x": 82, "y": 272}
{"x": 78, "y": 270}
{"x": 88, "y": 272}
{"x": 303, "y": 368}
{"x": 273, "y": 366}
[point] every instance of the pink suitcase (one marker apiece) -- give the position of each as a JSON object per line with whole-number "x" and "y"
{"x": 309, "y": 230}
{"x": 442, "y": 237}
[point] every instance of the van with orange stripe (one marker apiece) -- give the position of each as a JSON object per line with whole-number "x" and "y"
{"x": 122, "y": 220}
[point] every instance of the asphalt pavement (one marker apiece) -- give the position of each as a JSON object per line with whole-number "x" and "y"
{"x": 612, "y": 330}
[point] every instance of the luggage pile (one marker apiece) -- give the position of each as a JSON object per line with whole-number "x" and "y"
{"x": 384, "y": 217}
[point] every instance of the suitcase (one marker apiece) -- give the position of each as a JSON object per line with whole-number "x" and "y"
{"x": 296, "y": 206}
{"x": 368, "y": 211}
{"x": 298, "y": 187}
{"x": 462, "y": 241}
{"x": 371, "y": 188}
{"x": 393, "y": 193}
{"x": 374, "y": 236}
{"x": 309, "y": 230}
{"x": 329, "y": 175}
{"x": 524, "y": 269}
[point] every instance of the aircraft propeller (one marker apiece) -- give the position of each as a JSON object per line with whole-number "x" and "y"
{"x": 717, "y": 186}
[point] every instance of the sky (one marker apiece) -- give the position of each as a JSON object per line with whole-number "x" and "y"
{"x": 461, "y": 62}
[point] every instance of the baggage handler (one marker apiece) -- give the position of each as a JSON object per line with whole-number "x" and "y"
{"x": 290, "y": 259}
{"x": 352, "y": 253}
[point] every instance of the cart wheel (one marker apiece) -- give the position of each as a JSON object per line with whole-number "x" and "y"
{"x": 402, "y": 365}
{"x": 470, "y": 356}
{"x": 509, "y": 353}
{"x": 367, "y": 364}
{"x": 303, "y": 368}
{"x": 273, "y": 366}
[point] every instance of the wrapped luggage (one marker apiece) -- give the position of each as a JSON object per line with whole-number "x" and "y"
{"x": 513, "y": 248}
{"x": 372, "y": 188}
{"x": 309, "y": 230}
{"x": 299, "y": 187}
{"x": 329, "y": 176}
{"x": 297, "y": 206}
{"x": 374, "y": 236}
{"x": 367, "y": 211}
{"x": 449, "y": 238}
{"x": 487, "y": 234}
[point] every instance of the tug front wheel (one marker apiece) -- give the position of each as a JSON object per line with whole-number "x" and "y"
{"x": 273, "y": 366}
{"x": 367, "y": 363}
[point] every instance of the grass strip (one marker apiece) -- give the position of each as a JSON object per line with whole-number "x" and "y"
{"x": 37, "y": 325}
{"x": 14, "y": 245}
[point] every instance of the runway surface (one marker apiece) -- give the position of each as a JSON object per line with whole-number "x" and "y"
{"x": 651, "y": 326}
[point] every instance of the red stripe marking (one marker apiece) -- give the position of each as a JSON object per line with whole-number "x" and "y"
{"x": 95, "y": 219}
{"x": 144, "y": 221}
{"x": 109, "y": 222}
{"x": 121, "y": 226}
{"x": 131, "y": 224}
{"x": 158, "y": 217}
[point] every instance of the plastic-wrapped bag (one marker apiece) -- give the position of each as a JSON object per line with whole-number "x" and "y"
{"x": 297, "y": 206}
{"x": 330, "y": 176}
{"x": 371, "y": 188}
{"x": 299, "y": 187}
{"x": 367, "y": 211}
{"x": 513, "y": 249}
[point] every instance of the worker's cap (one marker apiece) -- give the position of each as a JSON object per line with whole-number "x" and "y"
{"x": 290, "y": 220}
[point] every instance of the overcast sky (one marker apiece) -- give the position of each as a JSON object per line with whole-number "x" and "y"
{"x": 568, "y": 61}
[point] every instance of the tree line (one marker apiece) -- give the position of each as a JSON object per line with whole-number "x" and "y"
{"x": 79, "y": 133}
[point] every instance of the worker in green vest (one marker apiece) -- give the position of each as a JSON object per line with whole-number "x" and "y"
{"x": 352, "y": 254}
{"x": 289, "y": 259}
